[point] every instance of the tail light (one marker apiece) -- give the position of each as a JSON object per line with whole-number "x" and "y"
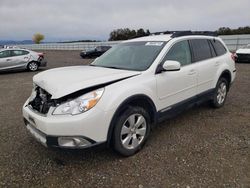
{"x": 41, "y": 54}
{"x": 233, "y": 56}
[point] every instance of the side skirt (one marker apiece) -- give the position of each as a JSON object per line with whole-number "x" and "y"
{"x": 176, "y": 109}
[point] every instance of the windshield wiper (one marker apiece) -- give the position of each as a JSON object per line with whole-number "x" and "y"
{"x": 108, "y": 67}
{"x": 113, "y": 67}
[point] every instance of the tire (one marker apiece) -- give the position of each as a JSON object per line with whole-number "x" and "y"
{"x": 220, "y": 93}
{"x": 131, "y": 131}
{"x": 33, "y": 66}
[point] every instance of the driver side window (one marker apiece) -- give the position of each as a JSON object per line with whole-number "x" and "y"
{"x": 179, "y": 52}
{"x": 5, "y": 54}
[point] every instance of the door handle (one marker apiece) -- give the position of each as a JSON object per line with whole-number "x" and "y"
{"x": 217, "y": 63}
{"x": 8, "y": 59}
{"x": 191, "y": 72}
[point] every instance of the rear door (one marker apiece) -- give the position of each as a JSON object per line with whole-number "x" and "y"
{"x": 20, "y": 58}
{"x": 176, "y": 86}
{"x": 203, "y": 57}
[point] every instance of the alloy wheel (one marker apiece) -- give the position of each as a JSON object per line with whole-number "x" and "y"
{"x": 133, "y": 131}
{"x": 221, "y": 93}
{"x": 33, "y": 66}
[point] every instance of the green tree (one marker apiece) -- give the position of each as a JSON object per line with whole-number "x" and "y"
{"x": 140, "y": 33}
{"x": 37, "y": 38}
{"x": 126, "y": 33}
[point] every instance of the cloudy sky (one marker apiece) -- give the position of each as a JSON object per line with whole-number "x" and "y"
{"x": 95, "y": 19}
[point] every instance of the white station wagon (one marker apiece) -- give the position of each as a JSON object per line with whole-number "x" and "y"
{"x": 123, "y": 94}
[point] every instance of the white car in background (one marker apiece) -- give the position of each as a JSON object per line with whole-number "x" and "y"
{"x": 243, "y": 54}
{"x": 20, "y": 59}
{"x": 119, "y": 97}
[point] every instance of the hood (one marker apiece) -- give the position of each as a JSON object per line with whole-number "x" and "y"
{"x": 243, "y": 51}
{"x": 60, "y": 82}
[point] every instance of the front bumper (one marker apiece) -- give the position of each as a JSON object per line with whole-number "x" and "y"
{"x": 66, "y": 131}
{"x": 72, "y": 142}
{"x": 83, "y": 54}
{"x": 242, "y": 58}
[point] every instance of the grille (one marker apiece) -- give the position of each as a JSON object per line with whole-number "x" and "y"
{"x": 42, "y": 101}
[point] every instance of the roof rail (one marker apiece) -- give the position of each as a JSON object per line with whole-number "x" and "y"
{"x": 162, "y": 33}
{"x": 186, "y": 33}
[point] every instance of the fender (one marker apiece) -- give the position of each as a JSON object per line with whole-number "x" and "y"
{"x": 228, "y": 75}
{"x": 123, "y": 106}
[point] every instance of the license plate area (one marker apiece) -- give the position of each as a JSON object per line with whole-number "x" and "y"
{"x": 38, "y": 135}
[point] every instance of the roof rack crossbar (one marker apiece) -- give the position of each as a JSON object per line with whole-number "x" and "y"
{"x": 186, "y": 33}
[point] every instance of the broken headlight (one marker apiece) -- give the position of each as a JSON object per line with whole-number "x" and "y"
{"x": 80, "y": 104}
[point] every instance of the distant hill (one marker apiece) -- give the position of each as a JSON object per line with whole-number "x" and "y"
{"x": 12, "y": 42}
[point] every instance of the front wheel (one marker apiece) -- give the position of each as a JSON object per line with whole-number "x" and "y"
{"x": 33, "y": 66}
{"x": 220, "y": 94}
{"x": 131, "y": 131}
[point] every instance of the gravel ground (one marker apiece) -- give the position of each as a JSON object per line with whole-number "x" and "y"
{"x": 202, "y": 147}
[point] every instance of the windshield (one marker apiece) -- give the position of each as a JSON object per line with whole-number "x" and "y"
{"x": 98, "y": 48}
{"x": 136, "y": 56}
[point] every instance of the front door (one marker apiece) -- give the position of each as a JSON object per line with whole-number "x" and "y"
{"x": 5, "y": 59}
{"x": 176, "y": 86}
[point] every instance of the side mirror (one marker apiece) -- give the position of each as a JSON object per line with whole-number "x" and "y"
{"x": 171, "y": 65}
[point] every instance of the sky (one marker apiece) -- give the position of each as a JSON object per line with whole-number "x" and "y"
{"x": 61, "y": 20}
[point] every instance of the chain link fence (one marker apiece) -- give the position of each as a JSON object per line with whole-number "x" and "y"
{"x": 233, "y": 42}
{"x": 68, "y": 46}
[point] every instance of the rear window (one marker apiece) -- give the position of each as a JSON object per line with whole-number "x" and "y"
{"x": 219, "y": 48}
{"x": 201, "y": 49}
{"x": 19, "y": 52}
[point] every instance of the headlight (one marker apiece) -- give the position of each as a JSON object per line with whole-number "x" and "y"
{"x": 80, "y": 104}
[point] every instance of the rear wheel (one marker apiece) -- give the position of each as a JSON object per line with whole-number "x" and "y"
{"x": 33, "y": 66}
{"x": 220, "y": 93}
{"x": 131, "y": 131}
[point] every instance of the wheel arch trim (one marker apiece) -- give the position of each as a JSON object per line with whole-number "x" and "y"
{"x": 122, "y": 106}
{"x": 226, "y": 72}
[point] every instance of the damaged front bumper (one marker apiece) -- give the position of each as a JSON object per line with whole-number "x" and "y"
{"x": 72, "y": 142}
{"x": 67, "y": 131}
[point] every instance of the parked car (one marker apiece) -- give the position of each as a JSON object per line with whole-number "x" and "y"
{"x": 21, "y": 59}
{"x": 96, "y": 52}
{"x": 243, "y": 54}
{"x": 118, "y": 98}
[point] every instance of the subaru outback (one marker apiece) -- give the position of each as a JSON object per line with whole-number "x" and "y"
{"x": 122, "y": 95}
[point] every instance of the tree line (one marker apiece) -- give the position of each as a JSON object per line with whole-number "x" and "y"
{"x": 229, "y": 31}
{"x": 126, "y": 33}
